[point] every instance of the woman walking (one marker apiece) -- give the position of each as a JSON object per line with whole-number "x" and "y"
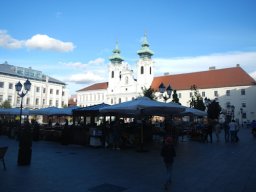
{"x": 168, "y": 153}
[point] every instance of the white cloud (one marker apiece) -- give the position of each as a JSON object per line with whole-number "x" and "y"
{"x": 7, "y": 41}
{"x": 85, "y": 78}
{"x": 38, "y": 41}
{"x": 45, "y": 42}
{"x": 247, "y": 61}
{"x": 253, "y": 74}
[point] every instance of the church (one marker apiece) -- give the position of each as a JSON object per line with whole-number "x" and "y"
{"x": 230, "y": 86}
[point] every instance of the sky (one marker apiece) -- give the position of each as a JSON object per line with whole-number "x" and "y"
{"x": 73, "y": 40}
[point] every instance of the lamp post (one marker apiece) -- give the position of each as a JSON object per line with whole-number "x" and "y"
{"x": 25, "y": 140}
{"x": 242, "y": 113}
{"x": 168, "y": 91}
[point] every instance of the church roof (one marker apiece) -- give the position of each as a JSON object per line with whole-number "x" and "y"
{"x": 96, "y": 86}
{"x": 215, "y": 78}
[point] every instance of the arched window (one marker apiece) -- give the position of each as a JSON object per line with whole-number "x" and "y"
{"x": 112, "y": 74}
{"x": 141, "y": 70}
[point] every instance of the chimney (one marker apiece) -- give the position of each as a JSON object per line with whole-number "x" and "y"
{"x": 212, "y": 68}
{"x": 237, "y": 65}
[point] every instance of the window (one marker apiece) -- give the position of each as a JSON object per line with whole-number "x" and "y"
{"x": 141, "y": 70}
{"x": 126, "y": 80}
{"x": 227, "y": 92}
{"x": 243, "y": 105}
{"x": 18, "y": 100}
{"x": 63, "y": 93}
{"x": 57, "y": 92}
{"x": 179, "y": 95}
{"x": 216, "y": 93}
{"x": 242, "y": 91}
{"x": 244, "y": 115}
{"x": 57, "y": 103}
{"x": 190, "y": 94}
{"x": 150, "y": 70}
{"x": 9, "y": 98}
{"x": 10, "y": 85}
{"x": 50, "y": 102}
{"x": 1, "y": 98}
{"x": 37, "y": 89}
{"x": 37, "y": 101}
{"x": 203, "y": 94}
{"x": 1, "y": 84}
{"x": 27, "y": 101}
{"x": 62, "y": 103}
{"x": 51, "y": 91}
{"x": 120, "y": 100}
{"x": 112, "y": 74}
{"x": 43, "y": 101}
{"x": 44, "y": 90}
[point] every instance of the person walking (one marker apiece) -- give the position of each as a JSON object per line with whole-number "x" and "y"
{"x": 168, "y": 153}
{"x": 233, "y": 128}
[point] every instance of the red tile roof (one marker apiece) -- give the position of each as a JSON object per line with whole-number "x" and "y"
{"x": 95, "y": 86}
{"x": 215, "y": 78}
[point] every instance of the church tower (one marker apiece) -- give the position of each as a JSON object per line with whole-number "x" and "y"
{"x": 145, "y": 72}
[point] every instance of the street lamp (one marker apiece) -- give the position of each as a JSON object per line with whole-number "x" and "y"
{"x": 168, "y": 91}
{"x": 18, "y": 87}
{"x": 25, "y": 140}
{"x": 242, "y": 113}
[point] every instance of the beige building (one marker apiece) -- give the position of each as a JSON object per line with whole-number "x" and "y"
{"x": 45, "y": 91}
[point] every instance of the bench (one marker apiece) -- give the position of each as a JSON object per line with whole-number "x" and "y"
{"x": 2, "y": 154}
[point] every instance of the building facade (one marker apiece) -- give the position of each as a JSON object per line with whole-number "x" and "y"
{"x": 231, "y": 86}
{"x": 45, "y": 91}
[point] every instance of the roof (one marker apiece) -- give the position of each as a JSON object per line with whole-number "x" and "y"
{"x": 216, "y": 78}
{"x": 95, "y": 86}
{"x": 12, "y": 70}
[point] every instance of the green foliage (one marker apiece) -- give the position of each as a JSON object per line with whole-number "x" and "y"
{"x": 175, "y": 98}
{"x": 6, "y": 104}
{"x": 214, "y": 110}
{"x": 196, "y": 99}
{"x": 150, "y": 93}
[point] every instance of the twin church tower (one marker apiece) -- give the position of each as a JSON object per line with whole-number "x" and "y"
{"x": 122, "y": 86}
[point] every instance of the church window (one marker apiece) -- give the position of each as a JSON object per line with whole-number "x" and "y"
{"x": 112, "y": 74}
{"x": 141, "y": 70}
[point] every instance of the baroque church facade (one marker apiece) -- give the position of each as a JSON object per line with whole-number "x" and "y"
{"x": 230, "y": 86}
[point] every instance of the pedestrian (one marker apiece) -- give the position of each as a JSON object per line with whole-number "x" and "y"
{"x": 233, "y": 128}
{"x": 226, "y": 132}
{"x": 168, "y": 153}
{"x": 217, "y": 129}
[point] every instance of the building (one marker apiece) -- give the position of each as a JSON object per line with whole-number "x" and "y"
{"x": 45, "y": 91}
{"x": 231, "y": 86}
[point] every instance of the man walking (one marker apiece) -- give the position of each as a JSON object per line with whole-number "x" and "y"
{"x": 168, "y": 153}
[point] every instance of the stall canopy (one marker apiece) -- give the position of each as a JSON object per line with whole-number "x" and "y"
{"x": 90, "y": 110}
{"x": 13, "y": 111}
{"x": 194, "y": 112}
{"x": 143, "y": 106}
{"x": 54, "y": 111}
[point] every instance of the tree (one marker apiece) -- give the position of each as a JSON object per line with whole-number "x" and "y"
{"x": 150, "y": 93}
{"x": 196, "y": 99}
{"x": 6, "y": 104}
{"x": 175, "y": 98}
{"x": 213, "y": 110}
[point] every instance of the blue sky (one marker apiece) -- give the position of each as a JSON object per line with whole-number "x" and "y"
{"x": 72, "y": 40}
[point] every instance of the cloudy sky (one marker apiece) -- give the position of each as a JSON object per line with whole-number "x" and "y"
{"x": 72, "y": 40}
